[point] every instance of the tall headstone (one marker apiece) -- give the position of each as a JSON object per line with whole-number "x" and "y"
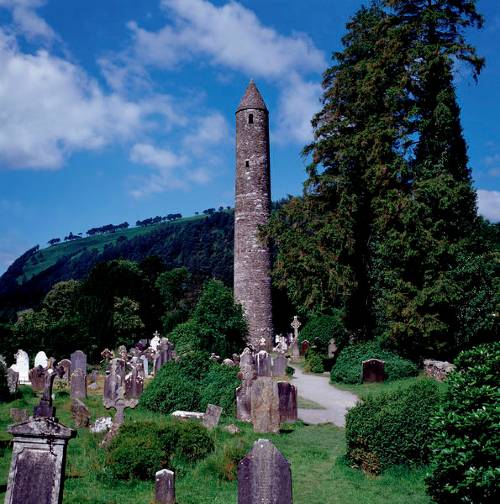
{"x": 22, "y": 367}
{"x": 78, "y": 388}
{"x": 12, "y": 380}
{"x": 41, "y": 359}
{"x": 288, "y": 402}
{"x": 79, "y": 361}
{"x": 145, "y": 365}
{"x": 280, "y": 364}
{"x": 252, "y": 280}
{"x": 36, "y": 473}
{"x": 263, "y": 364}
{"x": 37, "y": 378}
{"x": 165, "y": 487}
{"x": 134, "y": 381}
{"x": 265, "y": 405}
{"x": 372, "y": 371}
{"x": 264, "y": 476}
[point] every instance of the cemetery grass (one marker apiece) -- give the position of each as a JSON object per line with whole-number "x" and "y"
{"x": 320, "y": 475}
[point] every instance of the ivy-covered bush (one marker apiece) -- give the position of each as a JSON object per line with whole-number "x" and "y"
{"x": 314, "y": 363}
{"x": 320, "y": 330}
{"x": 392, "y": 428}
{"x": 347, "y": 368}
{"x": 218, "y": 387}
{"x": 466, "y": 437}
{"x": 140, "y": 449}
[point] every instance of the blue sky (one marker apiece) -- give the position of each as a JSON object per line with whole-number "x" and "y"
{"x": 116, "y": 110}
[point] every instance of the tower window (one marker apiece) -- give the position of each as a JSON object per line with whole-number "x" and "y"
{"x": 247, "y": 163}
{"x": 250, "y": 118}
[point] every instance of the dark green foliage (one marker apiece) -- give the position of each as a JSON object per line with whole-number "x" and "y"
{"x": 142, "y": 448}
{"x": 320, "y": 330}
{"x": 347, "y": 368}
{"x": 466, "y": 438}
{"x": 218, "y": 387}
{"x": 392, "y": 428}
{"x": 224, "y": 461}
{"x": 314, "y": 362}
{"x": 187, "y": 337}
{"x": 4, "y": 389}
{"x": 172, "y": 389}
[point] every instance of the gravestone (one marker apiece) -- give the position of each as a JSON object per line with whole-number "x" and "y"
{"x": 134, "y": 381}
{"x": 287, "y": 401}
{"x": 264, "y": 476}
{"x": 78, "y": 361}
{"x": 37, "y": 378}
{"x": 295, "y": 349}
{"x": 165, "y": 487}
{"x": 373, "y": 371}
{"x": 122, "y": 352}
{"x": 212, "y": 416}
{"x": 80, "y": 413}
{"x": 247, "y": 365}
{"x": 280, "y": 364}
{"x": 22, "y": 367}
{"x": 295, "y": 326}
{"x": 332, "y": 348}
{"x": 113, "y": 383}
{"x": 41, "y": 359}
{"x": 265, "y": 406}
{"x": 263, "y": 364}
{"x": 37, "y": 468}
{"x": 12, "y": 380}
{"x": 66, "y": 364}
{"x": 155, "y": 341}
{"x": 107, "y": 355}
{"x": 304, "y": 347}
{"x": 144, "y": 360}
{"x": 45, "y": 408}
{"x": 78, "y": 384}
{"x": 244, "y": 402}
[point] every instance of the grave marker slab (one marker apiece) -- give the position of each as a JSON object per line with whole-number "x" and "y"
{"x": 78, "y": 384}
{"x": 280, "y": 364}
{"x": 212, "y": 416}
{"x": 37, "y": 378}
{"x": 79, "y": 361}
{"x": 41, "y": 359}
{"x": 165, "y": 487}
{"x": 265, "y": 407}
{"x": 373, "y": 371}
{"x": 12, "y": 380}
{"x": 288, "y": 402}
{"x": 263, "y": 364}
{"x": 22, "y": 367}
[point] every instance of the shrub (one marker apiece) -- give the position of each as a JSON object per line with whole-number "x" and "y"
{"x": 466, "y": 438}
{"x": 392, "y": 428}
{"x": 172, "y": 389}
{"x": 187, "y": 337}
{"x": 140, "y": 449}
{"x": 4, "y": 389}
{"x": 347, "y": 369}
{"x": 219, "y": 387}
{"x": 314, "y": 363}
{"x": 320, "y": 330}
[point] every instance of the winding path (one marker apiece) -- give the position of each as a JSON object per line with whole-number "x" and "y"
{"x": 318, "y": 389}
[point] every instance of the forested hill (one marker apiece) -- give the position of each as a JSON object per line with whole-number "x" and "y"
{"x": 204, "y": 244}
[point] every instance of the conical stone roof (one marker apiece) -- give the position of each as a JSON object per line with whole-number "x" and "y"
{"x": 252, "y": 99}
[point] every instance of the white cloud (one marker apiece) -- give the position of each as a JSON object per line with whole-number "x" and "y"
{"x": 489, "y": 204}
{"x": 27, "y": 21}
{"x": 211, "y": 129}
{"x": 50, "y": 108}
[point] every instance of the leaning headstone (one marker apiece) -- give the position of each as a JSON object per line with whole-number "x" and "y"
{"x": 80, "y": 413}
{"x": 373, "y": 371}
{"x": 78, "y": 384}
{"x": 79, "y": 361}
{"x": 244, "y": 402}
{"x": 280, "y": 364}
{"x": 12, "y": 380}
{"x": 36, "y": 473}
{"x": 165, "y": 487}
{"x": 265, "y": 406}
{"x": 263, "y": 364}
{"x": 18, "y": 415}
{"x": 288, "y": 402}
{"x": 22, "y": 367}
{"x": 264, "y": 476}
{"x": 41, "y": 359}
{"x": 66, "y": 364}
{"x": 37, "y": 378}
{"x": 332, "y": 348}
{"x": 212, "y": 416}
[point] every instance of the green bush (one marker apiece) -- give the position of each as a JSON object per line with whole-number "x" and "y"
{"x": 218, "y": 387}
{"x": 347, "y": 368}
{"x": 140, "y": 449}
{"x": 466, "y": 438}
{"x": 320, "y": 330}
{"x": 392, "y": 428}
{"x": 172, "y": 389}
{"x": 4, "y": 389}
{"x": 314, "y": 363}
{"x": 187, "y": 337}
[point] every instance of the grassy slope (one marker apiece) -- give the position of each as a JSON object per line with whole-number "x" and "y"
{"x": 315, "y": 454}
{"x": 50, "y": 255}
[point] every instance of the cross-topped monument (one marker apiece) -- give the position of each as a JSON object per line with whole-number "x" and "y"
{"x": 295, "y": 325}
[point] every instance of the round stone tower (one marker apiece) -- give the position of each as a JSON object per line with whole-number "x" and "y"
{"x": 252, "y": 279}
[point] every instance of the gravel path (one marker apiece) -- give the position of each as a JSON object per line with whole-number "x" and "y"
{"x": 318, "y": 389}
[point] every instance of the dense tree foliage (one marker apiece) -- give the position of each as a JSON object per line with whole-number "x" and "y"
{"x": 387, "y": 228}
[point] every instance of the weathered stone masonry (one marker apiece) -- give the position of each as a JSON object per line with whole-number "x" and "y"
{"x": 252, "y": 280}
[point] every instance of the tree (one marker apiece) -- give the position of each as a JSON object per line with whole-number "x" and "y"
{"x": 127, "y": 323}
{"x": 61, "y": 301}
{"x": 53, "y": 241}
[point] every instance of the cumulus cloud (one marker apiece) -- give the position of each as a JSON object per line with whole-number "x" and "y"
{"x": 50, "y": 107}
{"x": 489, "y": 204}
{"x": 210, "y": 129}
{"x": 27, "y": 21}
{"x": 231, "y": 36}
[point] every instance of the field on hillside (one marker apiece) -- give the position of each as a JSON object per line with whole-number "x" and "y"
{"x": 315, "y": 453}
{"x": 48, "y": 256}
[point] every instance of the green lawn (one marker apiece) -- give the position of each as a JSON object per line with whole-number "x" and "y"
{"x": 315, "y": 453}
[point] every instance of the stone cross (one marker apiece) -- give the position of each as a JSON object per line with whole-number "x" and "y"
{"x": 37, "y": 468}
{"x": 155, "y": 341}
{"x": 264, "y": 476}
{"x": 45, "y": 408}
{"x": 295, "y": 325}
{"x": 165, "y": 487}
